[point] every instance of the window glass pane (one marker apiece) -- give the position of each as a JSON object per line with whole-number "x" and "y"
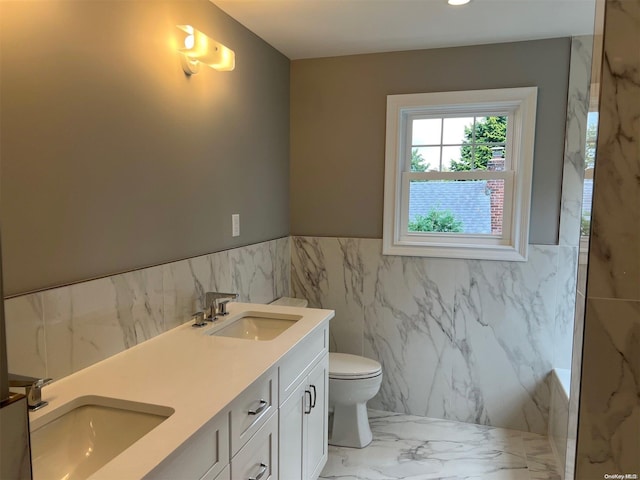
{"x": 456, "y": 206}
{"x": 426, "y": 131}
{"x": 486, "y": 157}
{"x": 425, "y": 159}
{"x": 456, "y": 130}
{"x": 491, "y": 129}
{"x": 451, "y": 158}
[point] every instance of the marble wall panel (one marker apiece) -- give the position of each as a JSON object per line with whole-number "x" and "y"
{"x": 331, "y": 273}
{"x": 57, "y": 332}
{"x": 574, "y": 143}
{"x": 408, "y": 327}
{"x": 614, "y": 252}
{"x": 90, "y": 321}
{"x": 185, "y": 283}
{"x": 281, "y": 250}
{"x": 558, "y": 420}
{"x": 81, "y": 326}
{"x": 457, "y": 339}
{"x": 504, "y": 316}
{"x": 609, "y": 423}
{"x": 574, "y": 393}
{"x": 252, "y": 272}
{"x": 565, "y": 306}
{"x": 609, "y": 410}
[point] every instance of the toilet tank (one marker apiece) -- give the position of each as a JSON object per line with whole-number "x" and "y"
{"x": 290, "y": 302}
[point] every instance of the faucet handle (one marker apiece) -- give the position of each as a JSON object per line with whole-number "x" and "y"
{"x": 42, "y": 382}
{"x": 199, "y": 319}
{"x": 34, "y": 394}
{"x": 222, "y": 306}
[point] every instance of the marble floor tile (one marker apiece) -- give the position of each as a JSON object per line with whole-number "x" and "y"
{"x": 414, "y": 448}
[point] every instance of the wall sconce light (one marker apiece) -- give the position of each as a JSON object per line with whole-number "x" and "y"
{"x": 198, "y": 48}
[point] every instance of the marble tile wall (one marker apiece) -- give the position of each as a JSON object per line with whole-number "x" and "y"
{"x": 461, "y": 340}
{"x": 608, "y": 438}
{"x": 569, "y": 237}
{"x": 575, "y": 139}
{"x": 572, "y": 184}
{"x": 558, "y": 419}
{"x": 60, "y": 331}
{"x": 574, "y": 392}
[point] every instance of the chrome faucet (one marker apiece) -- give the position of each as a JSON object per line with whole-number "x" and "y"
{"x": 216, "y": 303}
{"x": 33, "y": 389}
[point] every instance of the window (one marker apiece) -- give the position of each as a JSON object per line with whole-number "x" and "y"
{"x": 458, "y": 174}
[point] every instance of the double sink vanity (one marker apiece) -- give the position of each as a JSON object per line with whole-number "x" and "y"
{"x": 243, "y": 398}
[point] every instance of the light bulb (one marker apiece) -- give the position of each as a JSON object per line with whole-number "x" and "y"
{"x": 189, "y": 41}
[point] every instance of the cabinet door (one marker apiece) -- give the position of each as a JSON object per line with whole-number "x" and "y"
{"x": 223, "y": 475}
{"x": 206, "y": 452}
{"x": 316, "y": 435}
{"x": 291, "y": 433}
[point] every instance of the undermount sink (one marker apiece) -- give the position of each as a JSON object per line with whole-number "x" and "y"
{"x": 257, "y": 326}
{"x": 85, "y": 434}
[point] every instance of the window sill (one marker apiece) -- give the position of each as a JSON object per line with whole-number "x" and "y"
{"x": 492, "y": 252}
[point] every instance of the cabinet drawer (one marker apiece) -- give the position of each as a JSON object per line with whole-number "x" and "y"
{"x": 206, "y": 452}
{"x": 258, "y": 459}
{"x": 223, "y": 475}
{"x": 295, "y": 366}
{"x": 252, "y": 408}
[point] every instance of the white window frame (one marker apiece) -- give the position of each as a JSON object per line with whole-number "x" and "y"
{"x": 519, "y": 104}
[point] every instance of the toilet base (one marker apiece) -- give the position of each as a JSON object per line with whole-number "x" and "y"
{"x": 350, "y": 426}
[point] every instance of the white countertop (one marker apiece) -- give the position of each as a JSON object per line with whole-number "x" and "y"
{"x": 195, "y": 374}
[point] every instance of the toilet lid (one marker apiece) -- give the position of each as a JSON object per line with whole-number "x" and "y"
{"x": 346, "y": 366}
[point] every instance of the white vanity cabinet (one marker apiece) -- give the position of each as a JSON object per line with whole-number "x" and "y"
{"x": 240, "y": 408}
{"x": 304, "y": 409}
{"x": 276, "y": 428}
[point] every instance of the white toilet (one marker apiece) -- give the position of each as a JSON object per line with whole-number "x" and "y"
{"x": 353, "y": 381}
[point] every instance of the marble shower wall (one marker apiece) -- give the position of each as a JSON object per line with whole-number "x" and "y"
{"x": 572, "y": 185}
{"x": 575, "y": 139}
{"x": 60, "y": 331}
{"x": 569, "y": 311}
{"x": 608, "y": 439}
{"x": 465, "y": 340}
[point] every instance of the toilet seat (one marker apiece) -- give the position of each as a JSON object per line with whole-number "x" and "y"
{"x": 344, "y": 366}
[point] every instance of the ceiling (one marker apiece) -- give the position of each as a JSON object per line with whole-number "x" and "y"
{"x": 323, "y": 28}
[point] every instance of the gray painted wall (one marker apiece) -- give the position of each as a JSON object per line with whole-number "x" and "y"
{"x": 338, "y": 108}
{"x": 113, "y": 159}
